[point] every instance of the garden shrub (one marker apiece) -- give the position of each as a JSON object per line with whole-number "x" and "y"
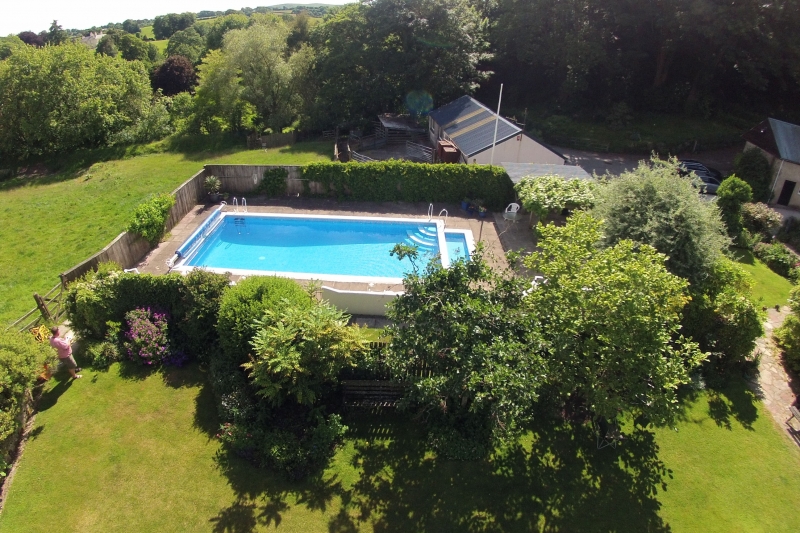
{"x": 777, "y": 257}
{"x": 102, "y": 354}
{"x": 147, "y": 341}
{"x": 549, "y": 194}
{"x": 300, "y": 351}
{"x": 274, "y": 182}
{"x": 22, "y": 359}
{"x": 722, "y": 317}
{"x": 247, "y": 302}
{"x": 760, "y": 219}
{"x": 731, "y": 195}
{"x": 753, "y": 167}
{"x": 200, "y": 297}
{"x": 150, "y": 217}
{"x": 391, "y": 181}
{"x": 295, "y": 451}
{"x": 788, "y": 335}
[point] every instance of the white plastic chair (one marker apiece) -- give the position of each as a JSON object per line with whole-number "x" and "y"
{"x": 512, "y": 212}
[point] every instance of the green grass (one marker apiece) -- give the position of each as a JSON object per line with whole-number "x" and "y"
{"x": 136, "y": 452}
{"x": 51, "y": 223}
{"x": 162, "y": 46}
{"x": 770, "y": 288}
{"x": 147, "y": 31}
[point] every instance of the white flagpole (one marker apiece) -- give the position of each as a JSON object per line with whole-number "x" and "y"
{"x": 496, "y": 122}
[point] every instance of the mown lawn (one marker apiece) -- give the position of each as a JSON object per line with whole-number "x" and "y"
{"x": 50, "y": 223}
{"x": 770, "y": 288}
{"x": 136, "y": 452}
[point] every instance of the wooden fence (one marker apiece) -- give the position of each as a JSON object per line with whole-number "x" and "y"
{"x": 49, "y": 307}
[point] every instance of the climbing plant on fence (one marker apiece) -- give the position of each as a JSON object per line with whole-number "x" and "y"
{"x": 387, "y": 181}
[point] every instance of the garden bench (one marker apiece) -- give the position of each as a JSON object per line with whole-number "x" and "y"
{"x": 795, "y": 416}
{"x": 372, "y": 393}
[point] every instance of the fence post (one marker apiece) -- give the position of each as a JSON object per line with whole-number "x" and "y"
{"x": 42, "y": 307}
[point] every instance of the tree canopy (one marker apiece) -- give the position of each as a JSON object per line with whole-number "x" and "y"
{"x": 609, "y": 322}
{"x": 166, "y": 25}
{"x": 392, "y": 54}
{"x": 60, "y": 98}
{"x": 654, "y": 205}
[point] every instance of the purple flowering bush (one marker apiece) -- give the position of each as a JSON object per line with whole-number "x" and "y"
{"x": 146, "y": 340}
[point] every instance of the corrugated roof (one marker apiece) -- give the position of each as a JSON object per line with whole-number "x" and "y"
{"x": 787, "y": 138}
{"x": 517, "y": 171}
{"x": 470, "y": 125}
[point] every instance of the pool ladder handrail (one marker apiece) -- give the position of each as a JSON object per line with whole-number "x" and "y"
{"x": 430, "y": 212}
{"x": 236, "y": 204}
{"x": 445, "y": 215}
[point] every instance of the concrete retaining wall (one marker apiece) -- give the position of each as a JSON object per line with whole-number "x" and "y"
{"x": 359, "y": 302}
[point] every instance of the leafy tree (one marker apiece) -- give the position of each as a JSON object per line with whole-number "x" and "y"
{"x": 187, "y": 43}
{"x": 252, "y": 76}
{"x": 299, "y": 352}
{"x": 131, "y": 26}
{"x": 107, "y": 46}
{"x": 133, "y": 48}
{"x": 61, "y": 98}
{"x": 8, "y": 45}
{"x": 654, "y": 205}
{"x": 218, "y": 105}
{"x": 731, "y": 195}
{"x": 300, "y": 31}
{"x": 56, "y": 34}
{"x": 609, "y": 321}
{"x": 166, "y": 25}
{"x": 377, "y": 56}
{"x": 223, "y": 25}
{"x": 548, "y": 194}
{"x": 32, "y": 39}
{"x": 467, "y": 326}
{"x": 174, "y": 75}
{"x": 753, "y": 167}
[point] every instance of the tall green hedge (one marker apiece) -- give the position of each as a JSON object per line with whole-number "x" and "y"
{"x": 389, "y": 181}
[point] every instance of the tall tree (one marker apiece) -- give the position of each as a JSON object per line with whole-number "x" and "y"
{"x": 373, "y": 56}
{"x": 175, "y": 75}
{"x": 165, "y": 25}
{"x": 187, "y": 43}
{"x": 56, "y": 34}
{"x": 609, "y": 321}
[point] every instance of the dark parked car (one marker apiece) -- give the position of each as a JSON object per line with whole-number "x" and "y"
{"x": 694, "y": 165}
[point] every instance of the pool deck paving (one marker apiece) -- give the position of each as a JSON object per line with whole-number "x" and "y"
{"x": 496, "y": 234}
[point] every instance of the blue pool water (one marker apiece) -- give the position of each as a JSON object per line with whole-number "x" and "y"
{"x": 456, "y": 246}
{"x": 315, "y": 246}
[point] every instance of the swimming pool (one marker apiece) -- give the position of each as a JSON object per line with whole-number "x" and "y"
{"x": 317, "y": 246}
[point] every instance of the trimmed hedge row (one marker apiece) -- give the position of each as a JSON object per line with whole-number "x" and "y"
{"x": 391, "y": 181}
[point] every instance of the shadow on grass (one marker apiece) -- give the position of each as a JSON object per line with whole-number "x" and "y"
{"x": 734, "y": 401}
{"x": 729, "y": 401}
{"x": 51, "y": 395}
{"x": 556, "y": 481}
{"x": 743, "y": 255}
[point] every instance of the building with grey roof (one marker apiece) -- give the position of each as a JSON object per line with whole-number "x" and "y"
{"x": 470, "y": 125}
{"x": 780, "y": 143}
